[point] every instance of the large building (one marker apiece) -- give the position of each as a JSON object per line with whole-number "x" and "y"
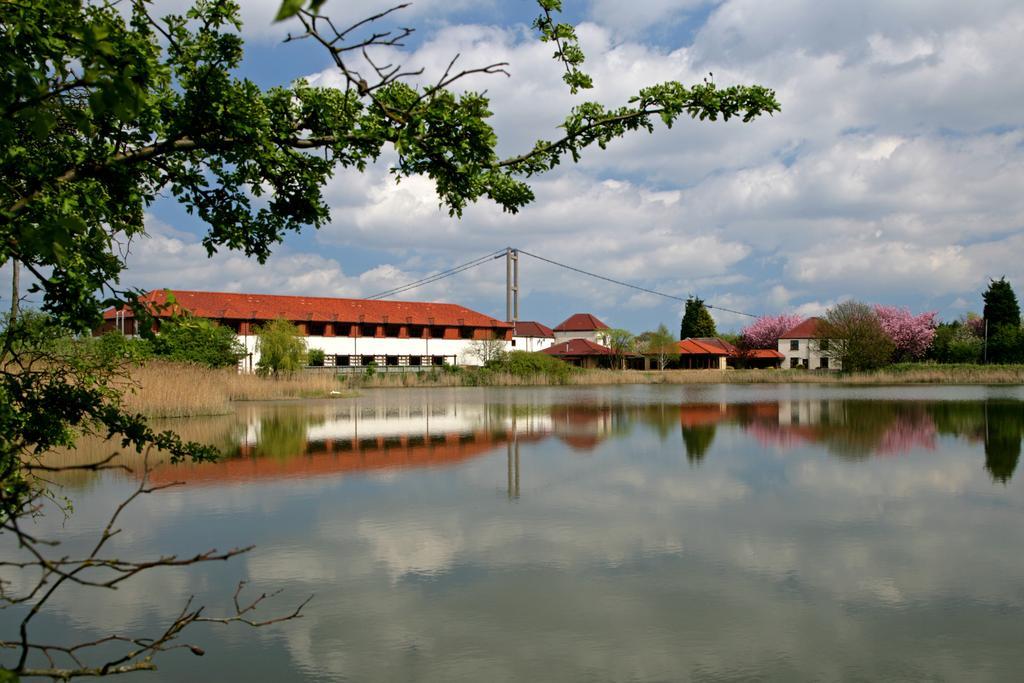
{"x": 351, "y": 332}
{"x": 805, "y": 346}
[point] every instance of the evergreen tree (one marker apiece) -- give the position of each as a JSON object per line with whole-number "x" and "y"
{"x": 1002, "y": 315}
{"x": 1001, "y": 306}
{"x": 697, "y": 322}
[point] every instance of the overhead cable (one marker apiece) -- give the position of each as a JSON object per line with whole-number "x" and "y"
{"x": 437, "y": 276}
{"x": 628, "y": 284}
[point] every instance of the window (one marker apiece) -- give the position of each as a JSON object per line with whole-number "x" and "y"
{"x": 513, "y": 343}
{"x": 823, "y": 344}
{"x": 315, "y": 329}
{"x": 794, "y": 362}
{"x": 392, "y": 330}
{"x": 342, "y": 361}
{"x": 438, "y": 360}
{"x": 367, "y": 331}
{"x": 466, "y": 332}
{"x": 824, "y": 363}
{"x": 436, "y": 332}
{"x": 416, "y": 331}
{"x": 367, "y": 360}
{"x": 794, "y": 345}
{"x": 391, "y": 360}
{"x": 415, "y": 360}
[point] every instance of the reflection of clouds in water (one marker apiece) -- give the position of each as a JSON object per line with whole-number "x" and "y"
{"x": 629, "y": 562}
{"x": 414, "y": 547}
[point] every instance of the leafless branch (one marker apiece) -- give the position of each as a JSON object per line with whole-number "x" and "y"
{"x": 94, "y": 570}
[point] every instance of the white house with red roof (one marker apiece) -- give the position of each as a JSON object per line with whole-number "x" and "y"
{"x": 805, "y": 346}
{"x": 581, "y": 326}
{"x": 351, "y": 332}
{"x": 528, "y": 335}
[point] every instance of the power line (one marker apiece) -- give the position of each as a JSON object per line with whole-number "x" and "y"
{"x": 437, "y": 276}
{"x": 630, "y": 285}
{"x": 495, "y": 254}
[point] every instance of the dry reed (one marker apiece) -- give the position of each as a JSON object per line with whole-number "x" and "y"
{"x": 161, "y": 389}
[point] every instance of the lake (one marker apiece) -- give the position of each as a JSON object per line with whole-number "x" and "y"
{"x": 626, "y": 533}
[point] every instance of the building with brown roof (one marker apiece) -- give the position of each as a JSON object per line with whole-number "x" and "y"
{"x": 351, "y": 332}
{"x": 582, "y": 353}
{"x": 581, "y": 326}
{"x": 528, "y": 335}
{"x": 805, "y": 346}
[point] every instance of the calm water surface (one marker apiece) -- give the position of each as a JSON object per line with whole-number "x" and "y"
{"x": 589, "y": 534}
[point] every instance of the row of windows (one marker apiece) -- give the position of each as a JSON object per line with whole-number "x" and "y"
{"x": 345, "y": 361}
{"x": 314, "y": 329}
{"x": 799, "y": 363}
{"x": 794, "y": 345}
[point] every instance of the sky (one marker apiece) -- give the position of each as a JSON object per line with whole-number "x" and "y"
{"x": 894, "y": 173}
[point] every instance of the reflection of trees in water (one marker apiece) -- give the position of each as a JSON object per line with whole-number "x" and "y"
{"x": 697, "y": 441}
{"x": 1005, "y": 428}
{"x": 860, "y": 429}
{"x": 998, "y": 423}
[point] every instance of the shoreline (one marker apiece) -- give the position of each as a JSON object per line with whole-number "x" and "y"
{"x": 171, "y": 390}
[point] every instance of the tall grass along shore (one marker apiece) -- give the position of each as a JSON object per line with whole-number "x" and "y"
{"x": 161, "y": 389}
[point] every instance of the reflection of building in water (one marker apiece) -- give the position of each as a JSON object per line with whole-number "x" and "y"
{"x": 283, "y": 441}
{"x": 582, "y": 428}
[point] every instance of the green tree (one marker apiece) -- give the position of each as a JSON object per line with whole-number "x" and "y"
{"x": 697, "y": 322}
{"x": 281, "y": 347}
{"x": 198, "y": 340}
{"x": 106, "y": 107}
{"x": 1002, "y": 318}
{"x": 856, "y": 338}
{"x": 315, "y": 357}
{"x": 661, "y": 345}
{"x": 621, "y": 342}
{"x": 1001, "y": 307}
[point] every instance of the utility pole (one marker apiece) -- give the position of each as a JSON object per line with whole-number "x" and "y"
{"x": 511, "y": 284}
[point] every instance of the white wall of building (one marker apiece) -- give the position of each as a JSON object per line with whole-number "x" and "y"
{"x": 454, "y": 350}
{"x": 531, "y": 344}
{"x": 807, "y": 354}
{"x": 596, "y": 336}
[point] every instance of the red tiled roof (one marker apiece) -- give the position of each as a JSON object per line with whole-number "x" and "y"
{"x": 704, "y": 346}
{"x": 577, "y": 347}
{"x": 580, "y": 322}
{"x": 808, "y": 329}
{"x": 529, "y": 328}
{"x": 232, "y": 306}
{"x": 765, "y": 353}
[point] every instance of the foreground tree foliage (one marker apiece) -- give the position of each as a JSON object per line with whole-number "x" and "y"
{"x": 106, "y": 107}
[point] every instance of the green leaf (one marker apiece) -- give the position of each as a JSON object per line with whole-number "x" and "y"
{"x": 289, "y": 8}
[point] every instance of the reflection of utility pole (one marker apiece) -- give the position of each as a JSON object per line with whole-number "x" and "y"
{"x": 513, "y": 462}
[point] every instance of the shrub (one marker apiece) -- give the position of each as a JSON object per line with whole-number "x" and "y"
{"x": 315, "y": 358}
{"x": 527, "y": 364}
{"x": 198, "y": 340}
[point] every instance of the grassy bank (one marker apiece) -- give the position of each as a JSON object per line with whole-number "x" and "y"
{"x": 176, "y": 390}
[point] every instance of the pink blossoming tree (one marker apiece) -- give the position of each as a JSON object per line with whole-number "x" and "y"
{"x": 764, "y": 332}
{"x": 912, "y": 334}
